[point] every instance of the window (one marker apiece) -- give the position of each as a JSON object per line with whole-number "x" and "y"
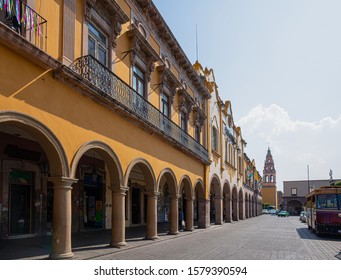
{"x": 214, "y": 139}
{"x": 183, "y": 121}
{"x": 327, "y": 201}
{"x": 293, "y": 191}
{"x": 226, "y": 151}
{"x": 197, "y": 133}
{"x": 165, "y": 104}
{"x": 97, "y": 44}
{"x": 138, "y": 80}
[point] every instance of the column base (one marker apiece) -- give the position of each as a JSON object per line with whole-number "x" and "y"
{"x": 189, "y": 229}
{"x": 117, "y": 244}
{"x": 173, "y": 233}
{"x": 151, "y": 237}
{"x": 55, "y": 256}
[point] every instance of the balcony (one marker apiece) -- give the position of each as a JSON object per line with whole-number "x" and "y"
{"x": 24, "y": 21}
{"x": 95, "y": 77}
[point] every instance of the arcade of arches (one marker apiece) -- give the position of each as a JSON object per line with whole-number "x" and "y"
{"x": 41, "y": 191}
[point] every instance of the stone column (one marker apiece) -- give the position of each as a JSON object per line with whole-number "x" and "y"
{"x": 189, "y": 214}
{"x": 173, "y": 214}
{"x": 152, "y": 215}
{"x": 118, "y": 216}
{"x": 61, "y": 234}
{"x": 228, "y": 203}
{"x": 236, "y": 210}
{"x": 204, "y": 213}
{"x": 218, "y": 204}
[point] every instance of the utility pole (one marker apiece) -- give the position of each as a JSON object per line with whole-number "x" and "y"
{"x": 308, "y": 178}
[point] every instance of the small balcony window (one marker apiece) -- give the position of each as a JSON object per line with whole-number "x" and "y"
{"x": 98, "y": 44}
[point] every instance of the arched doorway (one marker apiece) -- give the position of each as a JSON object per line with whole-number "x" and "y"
{"x": 199, "y": 205}
{"x": 99, "y": 195}
{"x": 246, "y": 206}
{"x": 227, "y": 203}
{"x": 235, "y": 208}
{"x": 168, "y": 202}
{"x": 141, "y": 206}
{"x": 215, "y": 201}
{"x": 30, "y": 154}
{"x": 186, "y": 203}
{"x": 241, "y": 205}
{"x": 294, "y": 207}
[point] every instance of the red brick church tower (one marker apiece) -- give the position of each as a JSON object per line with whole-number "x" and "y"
{"x": 269, "y": 190}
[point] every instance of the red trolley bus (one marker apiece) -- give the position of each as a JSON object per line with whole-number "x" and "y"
{"x": 324, "y": 210}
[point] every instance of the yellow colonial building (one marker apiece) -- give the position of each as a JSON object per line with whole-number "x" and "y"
{"x": 104, "y": 124}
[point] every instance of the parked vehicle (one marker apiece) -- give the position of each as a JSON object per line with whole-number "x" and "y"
{"x": 324, "y": 210}
{"x": 265, "y": 211}
{"x": 273, "y": 212}
{"x": 283, "y": 213}
{"x": 303, "y": 216}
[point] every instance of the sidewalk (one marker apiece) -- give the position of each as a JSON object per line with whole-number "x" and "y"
{"x": 85, "y": 245}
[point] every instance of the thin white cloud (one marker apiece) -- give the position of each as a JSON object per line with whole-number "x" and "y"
{"x": 294, "y": 144}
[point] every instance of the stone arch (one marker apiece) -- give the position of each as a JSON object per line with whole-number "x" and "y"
{"x": 294, "y": 207}
{"x": 51, "y": 145}
{"x": 199, "y": 204}
{"x": 241, "y": 204}
{"x": 147, "y": 170}
{"x": 246, "y": 205}
{"x": 185, "y": 185}
{"x": 142, "y": 196}
{"x": 167, "y": 175}
{"x": 235, "y": 208}
{"x": 186, "y": 202}
{"x": 216, "y": 211}
{"x": 168, "y": 200}
{"x": 227, "y": 202}
{"x": 107, "y": 154}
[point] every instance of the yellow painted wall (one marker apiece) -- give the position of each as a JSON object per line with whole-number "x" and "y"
{"x": 51, "y": 10}
{"x": 270, "y": 196}
{"x": 62, "y": 110}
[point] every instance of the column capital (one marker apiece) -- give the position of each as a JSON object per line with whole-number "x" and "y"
{"x": 175, "y": 196}
{"x": 62, "y": 182}
{"x": 119, "y": 189}
{"x": 153, "y": 194}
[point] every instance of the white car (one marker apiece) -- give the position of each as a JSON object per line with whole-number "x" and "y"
{"x": 265, "y": 211}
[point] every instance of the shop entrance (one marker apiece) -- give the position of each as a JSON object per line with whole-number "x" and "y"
{"x": 136, "y": 206}
{"x": 94, "y": 197}
{"x": 20, "y": 203}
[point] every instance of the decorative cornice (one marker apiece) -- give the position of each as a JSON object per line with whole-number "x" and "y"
{"x": 164, "y": 32}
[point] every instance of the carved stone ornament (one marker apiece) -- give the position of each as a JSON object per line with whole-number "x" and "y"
{"x": 186, "y": 101}
{"x": 110, "y": 12}
{"x": 140, "y": 47}
{"x": 167, "y": 79}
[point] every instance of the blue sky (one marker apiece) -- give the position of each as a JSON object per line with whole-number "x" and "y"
{"x": 279, "y": 62}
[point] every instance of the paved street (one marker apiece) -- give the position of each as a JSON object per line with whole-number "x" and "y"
{"x": 262, "y": 238}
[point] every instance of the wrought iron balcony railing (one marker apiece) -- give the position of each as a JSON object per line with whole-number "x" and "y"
{"x": 112, "y": 86}
{"x": 26, "y": 22}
